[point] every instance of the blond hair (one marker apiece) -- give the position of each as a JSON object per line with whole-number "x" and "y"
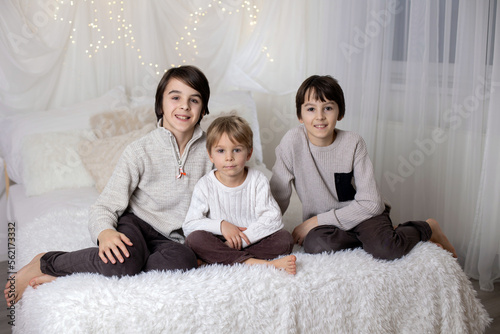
{"x": 237, "y": 129}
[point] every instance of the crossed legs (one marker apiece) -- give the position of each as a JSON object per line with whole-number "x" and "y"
{"x": 211, "y": 248}
{"x": 378, "y": 237}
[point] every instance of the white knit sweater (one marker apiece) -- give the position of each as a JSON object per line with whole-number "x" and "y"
{"x": 145, "y": 182}
{"x": 249, "y": 205}
{"x": 323, "y": 180}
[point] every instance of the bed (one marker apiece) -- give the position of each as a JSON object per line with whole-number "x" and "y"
{"x": 59, "y": 160}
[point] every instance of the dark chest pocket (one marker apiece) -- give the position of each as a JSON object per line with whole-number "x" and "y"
{"x": 343, "y": 185}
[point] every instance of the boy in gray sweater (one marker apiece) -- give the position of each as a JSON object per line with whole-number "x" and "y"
{"x": 136, "y": 222}
{"x": 334, "y": 179}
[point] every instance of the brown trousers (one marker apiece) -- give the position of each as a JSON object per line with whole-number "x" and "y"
{"x": 211, "y": 248}
{"x": 376, "y": 236}
{"x": 150, "y": 251}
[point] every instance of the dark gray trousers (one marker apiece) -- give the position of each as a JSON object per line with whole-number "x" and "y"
{"x": 150, "y": 251}
{"x": 211, "y": 248}
{"x": 376, "y": 236}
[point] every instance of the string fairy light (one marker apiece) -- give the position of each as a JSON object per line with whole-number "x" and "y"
{"x": 122, "y": 33}
{"x": 122, "y": 29}
{"x": 186, "y": 44}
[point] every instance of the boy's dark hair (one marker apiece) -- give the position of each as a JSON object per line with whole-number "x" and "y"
{"x": 324, "y": 88}
{"x": 192, "y": 77}
{"x": 237, "y": 129}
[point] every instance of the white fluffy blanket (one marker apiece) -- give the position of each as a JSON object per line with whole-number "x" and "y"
{"x": 346, "y": 292}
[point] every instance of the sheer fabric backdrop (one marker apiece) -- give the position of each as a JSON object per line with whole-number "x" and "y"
{"x": 421, "y": 81}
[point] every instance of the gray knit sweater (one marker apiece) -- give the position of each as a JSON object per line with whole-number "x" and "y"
{"x": 335, "y": 183}
{"x": 145, "y": 182}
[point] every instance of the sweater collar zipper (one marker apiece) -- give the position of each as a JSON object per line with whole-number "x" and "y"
{"x": 182, "y": 160}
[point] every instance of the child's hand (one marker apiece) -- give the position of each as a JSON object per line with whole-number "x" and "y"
{"x": 111, "y": 242}
{"x": 299, "y": 233}
{"x": 233, "y": 234}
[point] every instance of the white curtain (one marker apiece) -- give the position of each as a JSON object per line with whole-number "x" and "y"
{"x": 420, "y": 78}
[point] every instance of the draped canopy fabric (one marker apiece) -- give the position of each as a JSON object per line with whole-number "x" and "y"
{"x": 421, "y": 81}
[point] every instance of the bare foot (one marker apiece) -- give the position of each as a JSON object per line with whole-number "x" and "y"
{"x": 35, "y": 282}
{"x": 439, "y": 238}
{"x": 17, "y": 283}
{"x": 286, "y": 263}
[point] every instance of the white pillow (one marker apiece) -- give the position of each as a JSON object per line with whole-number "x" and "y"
{"x": 51, "y": 161}
{"x": 239, "y": 102}
{"x": 15, "y": 128}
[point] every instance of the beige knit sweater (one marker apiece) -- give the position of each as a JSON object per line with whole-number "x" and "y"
{"x": 323, "y": 180}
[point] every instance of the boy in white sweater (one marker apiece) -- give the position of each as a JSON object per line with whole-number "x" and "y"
{"x": 233, "y": 218}
{"x": 333, "y": 176}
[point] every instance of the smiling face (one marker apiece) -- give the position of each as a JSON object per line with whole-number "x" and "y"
{"x": 229, "y": 158}
{"x": 182, "y": 107}
{"x": 319, "y": 118}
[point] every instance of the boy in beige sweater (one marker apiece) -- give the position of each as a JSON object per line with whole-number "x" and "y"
{"x": 136, "y": 222}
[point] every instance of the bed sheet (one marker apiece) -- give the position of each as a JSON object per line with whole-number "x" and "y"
{"x": 345, "y": 292}
{"x": 22, "y": 209}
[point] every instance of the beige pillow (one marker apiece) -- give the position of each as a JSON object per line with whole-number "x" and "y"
{"x": 101, "y": 155}
{"x": 115, "y": 123}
